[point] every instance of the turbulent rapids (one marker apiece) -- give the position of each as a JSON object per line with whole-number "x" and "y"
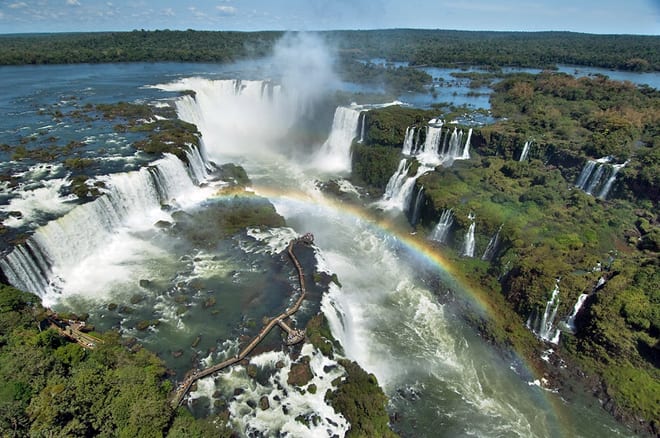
{"x": 441, "y": 378}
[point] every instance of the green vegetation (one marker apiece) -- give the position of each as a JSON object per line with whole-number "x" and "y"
{"x": 393, "y": 79}
{"x": 360, "y": 399}
{"x": 443, "y": 48}
{"x": 551, "y": 229}
{"x": 224, "y": 217}
{"x": 139, "y": 45}
{"x": 53, "y": 387}
{"x": 418, "y": 47}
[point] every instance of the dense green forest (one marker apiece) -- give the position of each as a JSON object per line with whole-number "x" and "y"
{"x": 418, "y": 47}
{"x": 551, "y": 229}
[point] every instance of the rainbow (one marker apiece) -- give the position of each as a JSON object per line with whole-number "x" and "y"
{"x": 427, "y": 251}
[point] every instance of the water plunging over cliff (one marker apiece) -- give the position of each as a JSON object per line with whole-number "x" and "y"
{"x": 468, "y": 244}
{"x": 543, "y": 327}
{"x": 570, "y": 322}
{"x": 598, "y": 176}
{"x": 409, "y": 144}
{"x": 399, "y": 190}
{"x": 133, "y": 201}
{"x": 525, "y": 151}
{"x": 335, "y": 154}
{"x": 492, "y": 245}
{"x": 441, "y": 230}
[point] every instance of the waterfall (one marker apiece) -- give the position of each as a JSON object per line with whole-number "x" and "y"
{"x": 585, "y": 174}
{"x": 492, "y": 245}
{"x": 429, "y": 150}
{"x": 416, "y": 207}
{"x": 441, "y": 230}
{"x": 608, "y": 185}
{"x": 399, "y": 189}
{"x": 362, "y": 122}
{"x": 437, "y": 150}
{"x": 335, "y": 154}
{"x": 468, "y": 245}
{"x": 408, "y": 142}
{"x": 466, "y": 149}
{"x": 594, "y": 181}
{"x": 570, "y": 322}
{"x": 525, "y": 151}
{"x": 591, "y": 176}
{"x": 544, "y": 328}
{"x": 133, "y": 199}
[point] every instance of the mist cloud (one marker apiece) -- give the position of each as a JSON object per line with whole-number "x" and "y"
{"x": 305, "y": 64}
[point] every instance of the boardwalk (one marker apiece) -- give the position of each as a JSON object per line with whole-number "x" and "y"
{"x": 293, "y": 335}
{"x": 71, "y": 329}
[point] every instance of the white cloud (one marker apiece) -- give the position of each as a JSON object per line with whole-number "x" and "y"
{"x": 73, "y": 2}
{"x": 226, "y": 10}
{"x": 169, "y": 12}
{"x": 18, "y": 5}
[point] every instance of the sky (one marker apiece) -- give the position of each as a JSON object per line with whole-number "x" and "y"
{"x": 589, "y": 16}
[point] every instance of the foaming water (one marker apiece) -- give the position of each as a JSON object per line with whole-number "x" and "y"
{"x": 287, "y": 405}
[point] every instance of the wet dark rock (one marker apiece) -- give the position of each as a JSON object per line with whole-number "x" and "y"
{"x": 163, "y": 224}
{"x": 264, "y": 403}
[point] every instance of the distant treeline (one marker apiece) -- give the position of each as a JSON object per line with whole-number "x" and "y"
{"x": 419, "y": 47}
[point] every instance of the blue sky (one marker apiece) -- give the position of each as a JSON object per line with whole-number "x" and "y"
{"x": 591, "y": 16}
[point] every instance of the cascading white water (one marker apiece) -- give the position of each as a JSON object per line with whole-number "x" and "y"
{"x": 492, "y": 245}
{"x": 429, "y": 153}
{"x": 441, "y": 230}
{"x": 399, "y": 189}
{"x": 335, "y": 154}
{"x": 610, "y": 181}
{"x": 544, "y": 327}
{"x": 594, "y": 180}
{"x": 133, "y": 200}
{"x": 219, "y": 110}
{"x": 363, "y": 124}
{"x": 415, "y": 208}
{"x": 591, "y": 176}
{"x": 408, "y": 142}
{"x": 466, "y": 149}
{"x": 570, "y": 322}
{"x": 469, "y": 243}
{"x": 525, "y": 151}
{"x": 585, "y": 174}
